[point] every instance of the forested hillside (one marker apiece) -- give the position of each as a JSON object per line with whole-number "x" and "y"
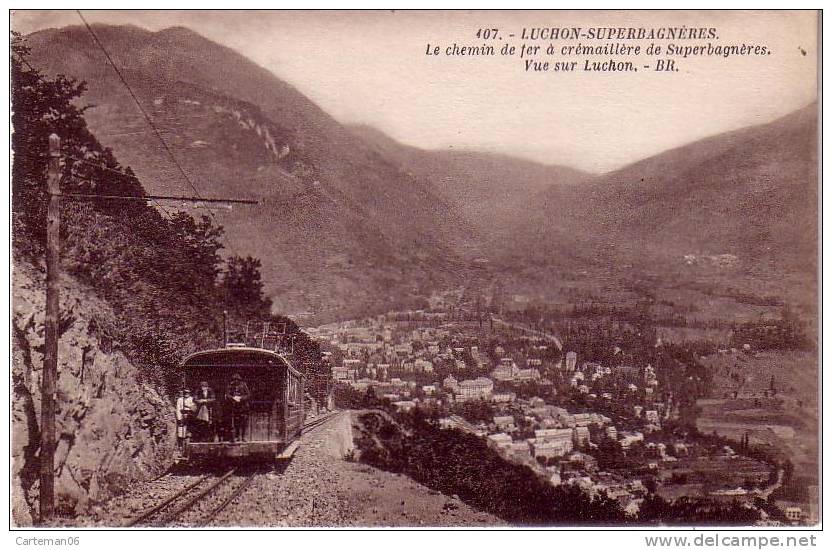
{"x": 330, "y": 230}
{"x": 161, "y": 271}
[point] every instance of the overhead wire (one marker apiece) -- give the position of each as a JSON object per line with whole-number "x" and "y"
{"x": 158, "y": 197}
{"x": 148, "y": 119}
{"x": 122, "y": 174}
{"x": 26, "y": 62}
{"x": 31, "y": 68}
{"x": 285, "y": 175}
{"x": 149, "y": 197}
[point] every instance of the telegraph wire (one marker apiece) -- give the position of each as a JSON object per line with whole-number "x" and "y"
{"x": 162, "y": 208}
{"x": 158, "y": 197}
{"x": 148, "y": 119}
{"x": 151, "y": 197}
{"x": 136, "y": 100}
{"x": 120, "y": 173}
{"x": 118, "y": 72}
{"x": 26, "y": 62}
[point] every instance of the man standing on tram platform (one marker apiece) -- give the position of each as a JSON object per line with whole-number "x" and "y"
{"x": 205, "y": 421}
{"x": 237, "y": 394}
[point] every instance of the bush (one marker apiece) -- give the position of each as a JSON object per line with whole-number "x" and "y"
{"x": 457, "y": 463}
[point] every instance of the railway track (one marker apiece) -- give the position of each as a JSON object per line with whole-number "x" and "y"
{"x": 193, "y": 499}
{"x": 311, "y": 425}
{"x": 173, "y": 509}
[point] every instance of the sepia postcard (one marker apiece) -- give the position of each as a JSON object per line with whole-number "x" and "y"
{"x": 415, "y": 269}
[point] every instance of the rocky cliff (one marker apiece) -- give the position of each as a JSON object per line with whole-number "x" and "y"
{"x": 112, "y": 427}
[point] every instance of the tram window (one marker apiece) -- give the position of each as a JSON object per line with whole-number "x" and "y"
{"x": 293, "y": 392}
{"x": 261, "y": 384}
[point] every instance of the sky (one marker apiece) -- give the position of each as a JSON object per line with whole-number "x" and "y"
{"x": 371, "y": 68}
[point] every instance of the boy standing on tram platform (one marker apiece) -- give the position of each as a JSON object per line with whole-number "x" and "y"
{"x": 185, "y": 408}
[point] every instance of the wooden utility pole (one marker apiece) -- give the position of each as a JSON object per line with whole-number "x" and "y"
{"x": 224, "y": 328}
{"x": 50, "y": 358}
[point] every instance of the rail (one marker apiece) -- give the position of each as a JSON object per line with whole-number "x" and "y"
{"x": 165, "y": 503}
{"x": 164, "y": 513}
{"x": 199, "y": 496}
{"x": 237, "y": 492}
{"x": 312, "y": 424}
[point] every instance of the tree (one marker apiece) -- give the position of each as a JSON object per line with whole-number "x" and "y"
{"x": 370, "y": 398}
{"x": 163, "y": 274}
{"x": 242, "y": 287}
{"x": 477, "y": 411}
{"x": 40, "y": 107}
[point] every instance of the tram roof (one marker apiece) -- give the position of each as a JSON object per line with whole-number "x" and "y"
{"x": 223, "y": 357}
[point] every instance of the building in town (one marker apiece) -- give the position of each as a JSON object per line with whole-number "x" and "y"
{"x": 506, "y": 371}
{"x": 527, "y": 375}
{"x": 479, "y": 388}
{"x": 629, "y": 438}
{"x": 550, "y": 448}
{"x": 520, "y": 448}
{"x": 554, "y": 434}
{"x": 499, "y": 441}
{"x": 507, "y": 397}
{"x": 571, "y": 361}
{"x": 505, "y": 423}
{"x": 581, "y": 436}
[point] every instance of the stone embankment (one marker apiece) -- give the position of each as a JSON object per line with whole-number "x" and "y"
{"x": 112, "y": 429}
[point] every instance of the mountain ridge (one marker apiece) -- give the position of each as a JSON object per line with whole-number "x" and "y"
{"x": 338, "y": 235}
{"x": 489, "y": 188}
{"x": 332, "y": 233}
{"x": 750, "y": 194}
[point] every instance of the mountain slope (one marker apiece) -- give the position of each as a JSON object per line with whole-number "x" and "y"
{"x": 351, "y": 219}
{"x": 330, "y": 230}
{"x": 750, "y": 194}
{"x": 490, "y": 189}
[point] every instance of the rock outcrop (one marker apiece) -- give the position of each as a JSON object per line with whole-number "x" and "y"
{"x": 112, "y": 427}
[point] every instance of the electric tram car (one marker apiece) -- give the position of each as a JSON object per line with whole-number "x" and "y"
{"x": 257, "y": 411}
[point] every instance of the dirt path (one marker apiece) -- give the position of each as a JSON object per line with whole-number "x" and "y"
{"x": 320, "y": 488}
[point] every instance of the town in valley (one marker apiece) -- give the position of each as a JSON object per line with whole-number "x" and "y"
{"x": 624, "y": 426}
